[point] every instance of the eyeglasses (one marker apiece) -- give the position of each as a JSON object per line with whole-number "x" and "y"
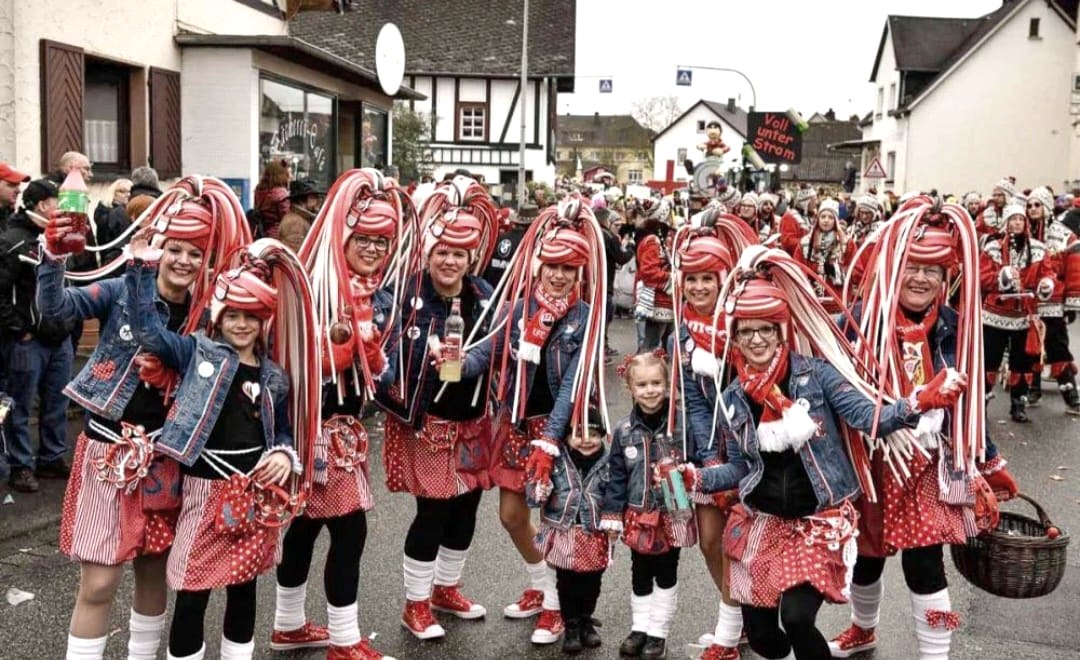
{"x": 1034, "y": 205}
{"x": 364, "y": 242}
{"x": 766, "y": 332}
{"x": 929, "y": 272}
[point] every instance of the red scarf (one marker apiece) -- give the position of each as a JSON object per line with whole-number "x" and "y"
{"x": 915, "y": 355}
{"x": 701, "y": 330}
{"x": 550, "y": 311}
{"x": 363, "y": 289}
{"x": 762, "y": 386}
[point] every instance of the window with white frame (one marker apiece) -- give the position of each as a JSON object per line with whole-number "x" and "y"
{"x": 472, "y": 122}
{"x": 680, "y": 155}
{"x": 633, "y": 176}
{"x": 892, "y": 96}
{"x": 880, "y": 101}
{"x": 701, "y": 126}
{"x": 890, "y": 165}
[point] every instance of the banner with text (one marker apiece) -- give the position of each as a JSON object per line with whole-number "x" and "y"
{"x": 775, "y": 137}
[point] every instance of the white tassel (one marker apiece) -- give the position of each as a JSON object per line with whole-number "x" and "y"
{"x": 929, "y": 428}
{"x": 529, "y": 352}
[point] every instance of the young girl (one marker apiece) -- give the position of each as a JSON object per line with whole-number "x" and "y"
{"x": 570, "y": 537}
{"x": 229, "y": 429}
{"x": 635, "y": 506}
{"x": 827, "y": 251}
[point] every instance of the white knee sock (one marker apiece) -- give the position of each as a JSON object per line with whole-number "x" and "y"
{"x": 80, "y": 648}
{"x": 662, "y": 611}
{"x": 449, "y": 565}
{"x": 344, "y": 631}
{"x": 289, "y": 608}
{"x": 728, "y": 626}
{"x": 418, "y": 576}
{"x": 551, "y": 594}
{"x": 866, "y": 604}
{"x": 231, "y": 650}
{"x": 933, "y": 640}
{"x": 639, "y": 612}
{"x": 197, "y": 655}
{"x": 145, "y": 635}
{"x": 537, "y": 574}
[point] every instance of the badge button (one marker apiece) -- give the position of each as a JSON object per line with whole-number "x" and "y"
{"x": 125, "y": 332}
{"x": 205, "y": 369}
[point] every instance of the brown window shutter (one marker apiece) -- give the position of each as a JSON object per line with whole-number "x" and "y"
{"x": 62, "y": 73}
{"x": 165, "y": 122}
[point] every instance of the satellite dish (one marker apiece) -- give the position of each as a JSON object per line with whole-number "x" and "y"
{"x": 390, "y": 59}
{"x": 705, "y": 174}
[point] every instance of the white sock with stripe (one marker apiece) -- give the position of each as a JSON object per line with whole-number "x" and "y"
{"x": 144, "y": 635}
{"x": 662, "y": 611}
{"x": 81, "y": 648}
{"x": 418, "y": 576}
{"x": 344, "y": 630}
{"x": 449, "y": 565}
{"x": 866, "y": 604}
{"x": 551, "y": 594}
{"x": 728, "y": 626}
{"x": 289, "y": 608}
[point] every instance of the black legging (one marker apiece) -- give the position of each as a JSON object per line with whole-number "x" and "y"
{"x": 995, "y": 341}
{"x": 341, "y": 576}
{"x": 186, "y": 634}
{"x": 578, "y": 593}
{"x": 798, "y": 614}
{"x": 449, "y": 523}
{"x": 644, "y": 569}
{"x": 924, "y": 569}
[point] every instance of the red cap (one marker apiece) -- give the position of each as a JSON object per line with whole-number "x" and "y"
{"x": 12, "y": 175}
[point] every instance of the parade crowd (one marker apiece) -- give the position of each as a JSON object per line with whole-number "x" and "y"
{"x": 808, "y": 398}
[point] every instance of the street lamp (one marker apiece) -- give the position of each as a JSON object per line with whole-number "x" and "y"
{"x": 753, "y": 92}
{"x": 521, "y": 100}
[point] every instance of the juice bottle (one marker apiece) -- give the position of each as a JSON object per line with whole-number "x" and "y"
{"x": 450, "y": 369}
{"x": 74, "y": 202}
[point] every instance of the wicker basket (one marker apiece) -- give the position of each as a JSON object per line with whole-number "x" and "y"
{"x": 1017, "y": 559}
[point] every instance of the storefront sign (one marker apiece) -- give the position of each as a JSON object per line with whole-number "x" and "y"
{"x": 307, "y": 130}
{"x": 775, "y": 137}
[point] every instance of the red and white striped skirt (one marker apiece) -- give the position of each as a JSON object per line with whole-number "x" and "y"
{"x": 443, "y": 460}
{"x": 770, "y": 555}
{"x": 341, "y": 484}
{"x": 911, "y": 515}
{"x": 657, "y": 532}
{"x": 510, "y": 451}
{"x": 574, "y": 549}
{"x": 103, "y": 524}
{"x": 204, "y": 558}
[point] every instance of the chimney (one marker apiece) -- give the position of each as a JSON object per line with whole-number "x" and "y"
{"x": 731, "y": 105}
{"x": 830, "y": 115}
{"x": 596, "y": 117}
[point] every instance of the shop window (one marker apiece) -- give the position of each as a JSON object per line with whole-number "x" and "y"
{"x": 106, "y": 118}
{"x": 472, "y": 122}
{"x": 373, "y": 138}
{"x": 298, "y": 125}
{"x": 634, "y": 176}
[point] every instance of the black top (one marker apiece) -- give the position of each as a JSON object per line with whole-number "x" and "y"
{"x": 655, "y": 421}
{"x": 540, "y": 401}
{"x": 147, "y": 405}
{"x": 585, "y": 463}
{"x": 351, "y": 402}
{"x": 456, "y": 403}
{"x": 239, "y": 426}
{"x": 785, "y": 489}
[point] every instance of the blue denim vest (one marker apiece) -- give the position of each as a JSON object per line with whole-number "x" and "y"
{"x": 824, "y": 456}
{"x": 575, "y": 498}
{"x": 634, "y": 454}
{"x": 562, "y": 355}
{"x": 109, "y": 379}
{"x": 423, "y": 313}
{"x": 207, "y": 368}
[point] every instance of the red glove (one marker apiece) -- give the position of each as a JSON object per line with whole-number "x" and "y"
{"x": 58, "y": 235}
{"x": 999, "y": 479}
{"x": 373, "y": 354}
{"x": 343, "y": 357}
{"x": 155, "y": 374}
{"x": 538, "y": 467}
{"x": 942, "y": 392}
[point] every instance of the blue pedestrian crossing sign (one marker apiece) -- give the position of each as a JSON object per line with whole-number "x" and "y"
{"x": 683, "y": 77}
{"x": 605, "y": 85}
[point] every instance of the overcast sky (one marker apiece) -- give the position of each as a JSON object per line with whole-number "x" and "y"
{"x": 807, "y": 54}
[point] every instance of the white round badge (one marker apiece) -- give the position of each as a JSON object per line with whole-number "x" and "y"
{"x": 125, "y": 332}
{"x": 630, "y": 453}
{"x": 413, "y": 332}
{"x": 206, "y": 369}
{"x": 417, "y": 302}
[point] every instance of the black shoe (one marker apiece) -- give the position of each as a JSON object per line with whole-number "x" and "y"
{"x": 1072, "y": 398}
{"x": 571, "y": 641}
{"x": 22, "y": 480}
{"x": 1016, "y": 412}
{"x": 589, "y": 636}
{"x": 57, "y": 469}
{"x": 1034, "y": 398}
{"x": 655, "y": 648}
{"x": 632, "y": 645}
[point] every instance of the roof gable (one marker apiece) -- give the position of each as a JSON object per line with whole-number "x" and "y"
{"x": 735, "y": 119}
{"x": 464, "y": 37}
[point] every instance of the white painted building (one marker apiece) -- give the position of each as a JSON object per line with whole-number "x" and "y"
{"x": 679, "y": 140}
{"x": 187, "y": 86}
{"x": 960, "y": 103}
{"x": 465, "y": 58}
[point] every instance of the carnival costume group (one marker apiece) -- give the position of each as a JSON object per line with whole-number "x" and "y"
{"x": 808, "y": 400}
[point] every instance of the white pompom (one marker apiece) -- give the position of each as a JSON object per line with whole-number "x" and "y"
{"x": 529, "y": 352}
{"x": 704, "y": 363}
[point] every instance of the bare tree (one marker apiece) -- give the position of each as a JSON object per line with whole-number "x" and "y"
{"x": 656, "y": 112}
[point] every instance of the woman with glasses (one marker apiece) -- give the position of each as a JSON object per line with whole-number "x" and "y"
{"x": 827, "y": 251}
{"x": 791, "y": 539}
{"x": 1059, "y": 239}
{"x": 346, "y": 256}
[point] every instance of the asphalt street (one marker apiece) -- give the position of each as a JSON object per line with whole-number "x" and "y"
{"x": 1043, "y": 455}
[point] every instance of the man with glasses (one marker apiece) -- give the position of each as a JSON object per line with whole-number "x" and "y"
{"x": 1059, "y": 241}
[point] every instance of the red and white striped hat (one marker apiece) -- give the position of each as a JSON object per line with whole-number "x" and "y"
{"x": 759, "y": 298}
{"x": 564, "y": 245}
{"x": 933, "y": 245}
{"x": 189, "y": 220}
{"x": 703, "y": 254}
{"x": 245, "y": 288}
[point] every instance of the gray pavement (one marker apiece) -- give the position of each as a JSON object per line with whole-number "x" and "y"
{"x": 992, "y": 627}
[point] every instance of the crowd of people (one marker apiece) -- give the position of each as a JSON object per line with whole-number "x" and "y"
{"x": 808, "y": 399}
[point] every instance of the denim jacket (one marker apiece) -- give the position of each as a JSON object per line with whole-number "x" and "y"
{"x": 108, "y": 380}
{"x": 207, "y": 368}
{"x": 824, "y": 456}
{"x": 423, "y": 314}
{"x": 699, "y": 405}
{"x": 575, "y": 498}
{"x": 562, "y": 353}
{"x": 634, "y": 452}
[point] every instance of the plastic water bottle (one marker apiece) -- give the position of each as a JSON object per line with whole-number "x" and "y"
{"x": 74, "y": 202}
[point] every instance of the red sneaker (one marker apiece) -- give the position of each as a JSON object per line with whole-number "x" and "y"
{"x": 530, "y": 603}
{"x": 450, "y": 599}
{"x": 361, "y": 651}
{"x": 308, "y": 636}
{"x": 419, "y": 620}
{"x": 717, "y": 652}
{"x": 851, "y": 641}
{"x": 549, "y": 627}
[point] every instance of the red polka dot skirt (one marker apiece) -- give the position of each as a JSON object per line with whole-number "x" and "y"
{"x": 574, "y": 549}
{"x": 442, "y": 460}
{"x": 341, "y": 483}
{"x": 510, "y": 452}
